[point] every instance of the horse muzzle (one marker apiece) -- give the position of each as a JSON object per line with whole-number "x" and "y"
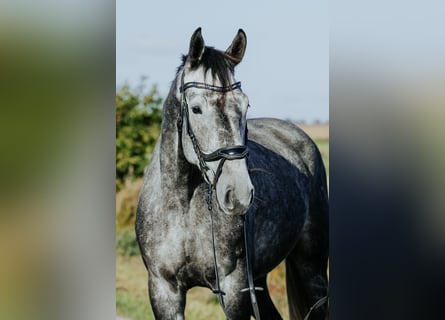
{"x": 234, "y": 190}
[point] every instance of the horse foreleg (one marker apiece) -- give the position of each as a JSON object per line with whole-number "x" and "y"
{"x": 167, "y": 299}
{"x": 267, "y": 308}
{"x": 237, "y": 301}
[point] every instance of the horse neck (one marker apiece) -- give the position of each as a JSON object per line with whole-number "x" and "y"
{"x": 175, "y": 170}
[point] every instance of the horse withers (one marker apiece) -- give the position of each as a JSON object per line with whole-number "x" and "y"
{"x": 210, "y": 167}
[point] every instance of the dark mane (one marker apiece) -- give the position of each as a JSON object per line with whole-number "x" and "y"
{"x": 216, "y": 61}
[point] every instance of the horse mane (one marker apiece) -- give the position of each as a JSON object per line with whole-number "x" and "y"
{"x": 221, "y": 66}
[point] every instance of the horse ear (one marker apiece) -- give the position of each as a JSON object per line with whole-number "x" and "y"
{"x": 238, "y": 47}
{"x": 197, "y": 48}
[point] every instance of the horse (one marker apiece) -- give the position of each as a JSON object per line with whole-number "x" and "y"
{"x": 211, "y": 168}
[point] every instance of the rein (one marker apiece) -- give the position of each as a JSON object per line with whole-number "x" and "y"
{"x": 316, "y": 305}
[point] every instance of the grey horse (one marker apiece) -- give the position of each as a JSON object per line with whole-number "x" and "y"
{"x": 210, "y": 166}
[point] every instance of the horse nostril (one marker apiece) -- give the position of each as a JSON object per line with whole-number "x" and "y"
{"x": 228, "y": 199}
{"x": 231, "y": 202}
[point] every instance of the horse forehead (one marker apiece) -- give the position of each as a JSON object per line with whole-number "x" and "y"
{"x": 200, "y": 75}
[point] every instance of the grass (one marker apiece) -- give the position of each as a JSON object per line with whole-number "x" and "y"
{"x": 131, "y": 288}
{"x": 131, "y": 279}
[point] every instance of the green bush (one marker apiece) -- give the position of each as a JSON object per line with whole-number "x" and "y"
{"x": 138, "y": 123}
{"x": 126, "y": 242}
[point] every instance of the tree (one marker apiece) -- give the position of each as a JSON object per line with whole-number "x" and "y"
{"x": 138, "y": 123}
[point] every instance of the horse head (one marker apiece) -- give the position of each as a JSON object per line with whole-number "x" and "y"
{"x": 212, "y": 120}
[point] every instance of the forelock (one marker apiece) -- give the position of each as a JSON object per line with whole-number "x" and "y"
{"x": 216, "y": 61}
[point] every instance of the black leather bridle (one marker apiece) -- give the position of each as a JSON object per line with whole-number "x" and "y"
{"x": 223, "y": 154}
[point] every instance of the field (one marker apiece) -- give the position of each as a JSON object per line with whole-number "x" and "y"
{"x": 131, "y": 277}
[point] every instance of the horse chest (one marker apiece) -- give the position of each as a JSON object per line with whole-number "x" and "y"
{"x": 198, "y": 247}
{"x": 167, "y": 241}
{"x": 182, "y": 245}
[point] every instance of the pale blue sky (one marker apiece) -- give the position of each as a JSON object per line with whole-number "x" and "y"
{"x": 285, "y": 71}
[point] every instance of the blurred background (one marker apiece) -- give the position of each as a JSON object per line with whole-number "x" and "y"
{"x": 387, "y": 106}
{"x": 57, "y": 163}
{"x": 59, "y": 92}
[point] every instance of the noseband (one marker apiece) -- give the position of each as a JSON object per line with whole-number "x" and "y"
{"x": 223, "y": 154}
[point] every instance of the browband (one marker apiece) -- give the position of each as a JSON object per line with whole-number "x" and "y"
{"x": 201, "y": 85}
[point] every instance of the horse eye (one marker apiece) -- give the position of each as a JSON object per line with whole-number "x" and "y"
{"x": 196, "y": 110}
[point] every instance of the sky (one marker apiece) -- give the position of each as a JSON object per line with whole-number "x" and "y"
{"x": 284, "y": 72}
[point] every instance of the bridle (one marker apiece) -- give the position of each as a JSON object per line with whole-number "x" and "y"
{"x": 222, "y": 154}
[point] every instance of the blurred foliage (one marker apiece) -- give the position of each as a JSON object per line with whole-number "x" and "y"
{"x": 138, "y": 123}
{"x": 126, "y": 242}
{"x": 126, "y": 204}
